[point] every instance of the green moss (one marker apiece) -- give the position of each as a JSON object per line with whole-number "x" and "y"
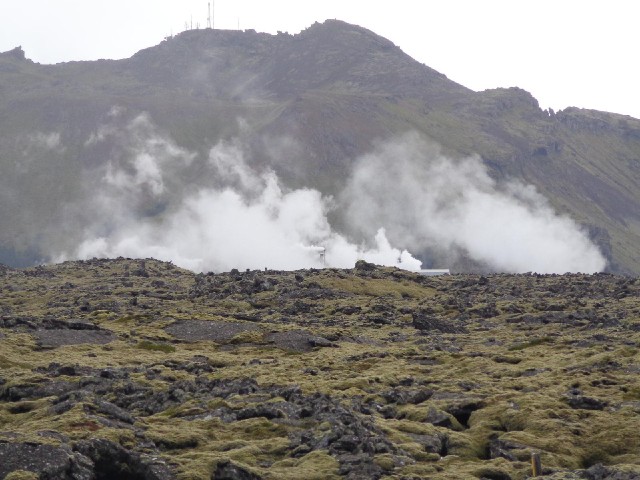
{"x": 531, "y": 343}
{"x": 21, "y": 475}
{"x": 373, "y": 287}
{"x": 632, "y": 393}
{"x": 155, "y": 347}
{"x": 249, "y": 336}
{"x": 385, "y": 461}
{"x": 317, "y": 465}
{"x": 6, "y": 363}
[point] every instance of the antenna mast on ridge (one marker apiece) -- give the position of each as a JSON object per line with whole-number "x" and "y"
{"x": 209, "y": 15}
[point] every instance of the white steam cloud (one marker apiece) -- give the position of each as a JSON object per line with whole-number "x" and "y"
{"x": 242, "y": 219}
{"x": 426, "y": 200}
{"x": 155, "y": 199}
{"x": 49, "y": 141}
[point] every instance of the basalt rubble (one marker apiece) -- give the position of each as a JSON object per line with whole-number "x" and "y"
{"x": 137, "y": 369}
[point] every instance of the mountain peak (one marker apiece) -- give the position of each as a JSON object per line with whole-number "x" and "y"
{"x": 336, "y": 30}
{"x": 333, "y": 55}
{"x": 15, "y": 54}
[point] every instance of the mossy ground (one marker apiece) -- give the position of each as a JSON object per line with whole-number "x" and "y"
{"x": 545, "y": 364}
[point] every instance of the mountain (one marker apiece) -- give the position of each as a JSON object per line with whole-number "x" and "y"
{"x": 140, "y": 370}
{"x": 309, "y": 106}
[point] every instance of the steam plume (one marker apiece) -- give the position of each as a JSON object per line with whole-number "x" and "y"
{"x": 218, "y": 212}
{"x": 427, "y": 201}
{"x": 241, "y": 218}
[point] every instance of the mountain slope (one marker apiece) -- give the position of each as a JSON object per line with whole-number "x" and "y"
{"x": 310, "y": 105}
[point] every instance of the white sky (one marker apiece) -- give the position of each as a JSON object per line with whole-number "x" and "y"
{"x": 580, "y": 53}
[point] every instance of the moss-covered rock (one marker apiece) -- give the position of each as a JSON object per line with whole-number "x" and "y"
{"x": 321, "y": 374}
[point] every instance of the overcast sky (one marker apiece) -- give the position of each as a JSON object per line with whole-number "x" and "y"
{"x": 580, "y": 53}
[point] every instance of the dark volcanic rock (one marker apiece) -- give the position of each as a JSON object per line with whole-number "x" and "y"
{"x": 425, "y": 322}
{"x": 508, "y": 449}
{"x": 112, "y": 461}
{"x": 437, "y": 443}
{"x": 348, "y": 309}
{"x": 297, "y": 340}
{"x": 197, "y": 330}
{"x": 59, "y": 337}
{"x": 403, "y": 397}
{"x": 229, "y": 471}
{"x": 353, "y": 438}
{"x": 114, "y": 411}
{"x": 600, "y": 472}
{"x": 16, "y": 393}
{"x": 44, "y": 460}
{"x": 575, "y": 399}
{"x": 364, "y": 266}
{"x": 438, "y": 418}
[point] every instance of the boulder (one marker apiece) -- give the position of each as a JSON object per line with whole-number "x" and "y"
{"x": 46, "y": 461}
{"x": 229, "y": 471}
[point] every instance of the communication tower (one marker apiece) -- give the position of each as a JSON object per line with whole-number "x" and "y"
{"x": 209, "y": 25}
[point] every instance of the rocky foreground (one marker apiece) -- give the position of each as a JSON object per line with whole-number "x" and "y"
{"x": 132, "y": 369}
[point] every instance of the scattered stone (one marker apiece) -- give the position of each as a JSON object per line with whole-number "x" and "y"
{"x": 438, "y": 418}
{"x": 426, "y": 323}
{"x": 229, "y": 471}
{"x": 512, "y": 451}
{"x": 364, "y": 266}
{"x": 348, "y": 310}
{"x": 46, "y": 461}
{"x": 600, "y": 472}
{"x": 29, "y": 391}
{"x": 575, "y": 399}
{"x": 111, "y": 461}
{"x": 54, "y": 338}
{"x": 113, "y": 411}
{"x": 403, "y": 396}
{"x": 297, "y": 340}
{"x": 199, "y": 330}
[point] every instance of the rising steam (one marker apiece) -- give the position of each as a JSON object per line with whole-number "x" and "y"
{"x": 226, "y": 214}
{"x": 242, "y": 219}
{"x": 428, "y": 201}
